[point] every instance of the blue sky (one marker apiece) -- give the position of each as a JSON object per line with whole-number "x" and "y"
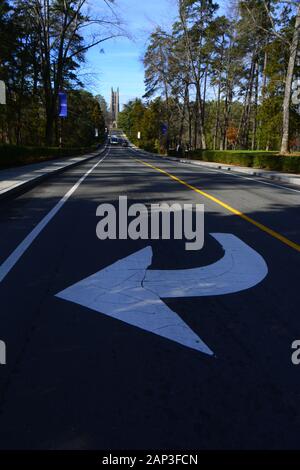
{"x": 120, "y": 64}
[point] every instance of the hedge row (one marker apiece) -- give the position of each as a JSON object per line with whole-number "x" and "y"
{"x": 13, "y": 155}
{"x": 266, "y": 160}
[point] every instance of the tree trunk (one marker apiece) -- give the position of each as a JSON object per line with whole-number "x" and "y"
{"x": 263, "y": 94}
{"x": 254, "y": 130}
{"x": 50, "y": 119}
{"x": 227, "y": 112}
{"x": 288, "y": 87}
{"x": 217, "y": 123}
{"x": 196, "y": 131}
{"x": 189, "y": 118}
{"x": 264, "y": 81}
{"x": 183, "y": 115}
{"x": 204, "y": 95}
{"x": 249, "y": 104}
{"x": 200, "y": 118}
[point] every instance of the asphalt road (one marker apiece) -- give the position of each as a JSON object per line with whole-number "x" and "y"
{"x": 79, "y": 379}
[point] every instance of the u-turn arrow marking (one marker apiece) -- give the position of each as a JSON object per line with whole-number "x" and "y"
{"x": 129, "y": 292}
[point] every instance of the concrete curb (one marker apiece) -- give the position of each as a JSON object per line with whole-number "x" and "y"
{"x": 31, "y": 183}
{"x": 274, "y": 176}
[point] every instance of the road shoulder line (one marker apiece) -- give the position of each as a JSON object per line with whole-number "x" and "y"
{"x": 23, "y": 186}
{"x": 226, "y": 206}
{"x": 18, "y": 252}
{"x": 235, "y": 171}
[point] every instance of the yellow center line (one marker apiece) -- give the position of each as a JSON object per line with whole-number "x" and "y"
{"x": 231, "y": 209}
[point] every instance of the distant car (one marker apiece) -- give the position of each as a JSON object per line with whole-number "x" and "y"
{"x": 114, "y": 140}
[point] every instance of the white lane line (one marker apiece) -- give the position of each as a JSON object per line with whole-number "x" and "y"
{"x": 227, "y": 173}
{"x": 14, "y": 257}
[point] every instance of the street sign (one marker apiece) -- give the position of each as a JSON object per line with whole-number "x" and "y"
{"x": 2, "y": 92}
{"x": 63, "y": 105}
{"x": 129, "y": 292}
{"x": 2, "y": 353}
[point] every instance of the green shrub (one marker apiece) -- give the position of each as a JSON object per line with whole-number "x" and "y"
{"x": 257, "y": 159}
{"x": 268, "y": 162}
{"x": 16, "y": 155}
{"x": 150, "y": 148}
{"x": 291, "y": 164}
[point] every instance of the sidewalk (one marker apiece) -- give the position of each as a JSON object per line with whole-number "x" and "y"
{"x": 15, "y": 180}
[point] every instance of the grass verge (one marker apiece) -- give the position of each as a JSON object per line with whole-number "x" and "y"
{"x": 258, "y": 159}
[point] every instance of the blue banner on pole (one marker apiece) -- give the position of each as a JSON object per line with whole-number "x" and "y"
{"x": 63, "y": 104}
{"x": 164, "y": 129}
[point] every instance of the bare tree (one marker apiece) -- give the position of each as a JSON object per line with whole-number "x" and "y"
{"x": 293, "y": 47}
{"x": 288, "y": 85}
{"x": 60, "y": 25}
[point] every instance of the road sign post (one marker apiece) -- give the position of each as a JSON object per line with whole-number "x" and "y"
{"x": 164, "y": 135}
{"x": 2, "y": 92}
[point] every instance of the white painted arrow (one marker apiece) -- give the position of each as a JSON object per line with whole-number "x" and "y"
{"x": 240, "y": 269}
{"x": 128, "y": 292}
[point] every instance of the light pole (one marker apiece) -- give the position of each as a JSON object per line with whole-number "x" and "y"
{"x": 3, "y": 102}
{"x": 2, "y": 92}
